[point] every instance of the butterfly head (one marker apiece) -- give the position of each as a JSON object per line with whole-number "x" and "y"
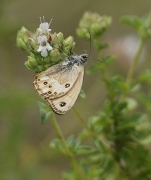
{"x": 83, "y": 58}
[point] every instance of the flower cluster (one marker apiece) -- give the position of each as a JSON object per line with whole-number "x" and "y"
{"x": 45, "y": 48}
{"x": 94, "y": 24}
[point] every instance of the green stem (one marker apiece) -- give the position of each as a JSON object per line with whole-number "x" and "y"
{"x": 83, "y": 122}
{"x": 94, "y": 135}
{"x": 138, "y": 52}
{"x": 67, "y": 151}
{"x": 135, "y": 61}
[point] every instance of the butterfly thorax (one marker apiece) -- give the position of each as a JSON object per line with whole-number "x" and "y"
{"x": 78, "y": 60}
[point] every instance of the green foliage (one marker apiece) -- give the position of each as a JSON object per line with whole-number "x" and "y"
{"x": 82, "y": 94}
{"x": 139, "y": 24}
{"x": 45, "y": 112}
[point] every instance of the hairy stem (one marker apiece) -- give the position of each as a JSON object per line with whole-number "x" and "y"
{"x": 135, "y": 61}
{"x": 67, "y": 151}
{"x": 138, "y": 52}
{"x": 93, "y": 134}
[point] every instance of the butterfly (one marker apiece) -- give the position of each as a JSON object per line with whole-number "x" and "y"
{"x": 60, "y": 84}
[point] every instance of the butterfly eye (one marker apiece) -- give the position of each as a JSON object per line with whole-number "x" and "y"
{"x": 85, "y": 56}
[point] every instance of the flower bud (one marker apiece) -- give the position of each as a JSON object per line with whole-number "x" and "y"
{"x": 57, "y": 38}
{"x": 96, "y": 29}
{"x": 39, "y": 69}
{"x": 47, "y": 60}
{"x": 86, "y": 16}
{"x": 33, "y": 43}
{"x": 67, "y": 50}
{"x": 60, "y": 37}
{"x": 39, "y": 60}
{"x": 69, "y": 41}
{"x": 28, "y": 65}
{"x": 83, "y": 33}
{"x": 22, "y": 38}
{"x": 62, "y": 56}
{"x": 93, "y": 23}
{"x": 54, "y": 55}
{"x": 21, "y": 44}
{"x": 32, "y": 61}
{"x": 46, "y": 66}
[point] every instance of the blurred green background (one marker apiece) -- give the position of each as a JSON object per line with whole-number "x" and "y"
{"x": 24, "y": 141}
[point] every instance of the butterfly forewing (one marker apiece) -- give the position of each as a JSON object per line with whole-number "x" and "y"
{"x": 56, "y": 81}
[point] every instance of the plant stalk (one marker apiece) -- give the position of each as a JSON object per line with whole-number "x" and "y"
{"x": 138, "y": 52}
{"x": 135, "y": 61}
{"x": 67, "y": 151}
{"x": 93, "y": 134}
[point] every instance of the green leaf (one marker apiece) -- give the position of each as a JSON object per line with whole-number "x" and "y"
{"x": 146, "y": 140}
{"x": 132, "y": 21}
{"x": 137, "y": 117}
{"x": 45, "y": 112}
{"x": 135, "y": 88}
{"x": 99, "y": 145}
{"x": 70, "y": 140}
{"x": 95, "y": 67}
{"x": 145, "y": 100}
{"x": 117, "y": 86}
{"x": 82, "y": 94}
{"x": 108, "y": 59}
{"x": 102, "y": 46}
{"x": 145, "y": 77}
{"x": 132, "y": 104}
{"x": 77, "y": 143}
{"x": 121, "y": 106}
{"x": 84, "y": 150}
{"x": 139, "y": 24}
{"x": 57, "y": 144}
{"x": 98, "y": 65}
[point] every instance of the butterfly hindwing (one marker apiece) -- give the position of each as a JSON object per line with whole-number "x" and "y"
{"x": 60, "y": 84}
{"x": 63, "y": 104}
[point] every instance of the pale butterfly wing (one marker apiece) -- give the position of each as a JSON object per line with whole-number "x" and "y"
{"x": 56, "y": 81}
{"x": 64, "y": 103}
{"x": 60, "y": 85}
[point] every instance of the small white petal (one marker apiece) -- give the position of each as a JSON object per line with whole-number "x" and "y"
{"x": 44, "y": 53}
{"x": 40, "y": 48}
{"x": 39, "y": 39}
{"x": 44, "y": 45}
{"x": 48, "y": 47}
{"x": 44, "y": 27}
{"x": 44, "y": 38}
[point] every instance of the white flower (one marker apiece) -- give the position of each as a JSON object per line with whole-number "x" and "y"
{"x": 44, "y": 26}
{"x": 44, "y": 46}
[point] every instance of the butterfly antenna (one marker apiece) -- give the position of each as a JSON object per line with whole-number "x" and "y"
{"x": 51, "y": 20}
{"x": 62, "y": 51}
